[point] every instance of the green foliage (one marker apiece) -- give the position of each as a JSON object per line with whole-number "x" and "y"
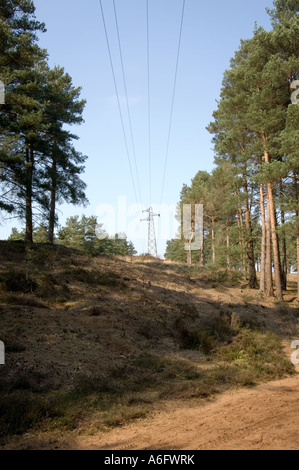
{"x": 175, "y": 251}
{"x": 207, "y": 337}
{"x": 86, "y": 235}
{"x": 39, "y": 166}
{"x": 224, "y": 276}
{"x": 284, "y": 10}
{"x": 40, "y": 235}
{"x": 20, "y": 412}
{"x": 16, "y": 236}
{"x": 93, "y": 277}
{"x": 262, "y": 352}
{"x": 255, "y": 135}
{"x": 17, "y": 281}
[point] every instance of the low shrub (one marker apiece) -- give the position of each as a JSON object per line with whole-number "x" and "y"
{"x": 18, "y": 281}
{"x": 262, "y": 353}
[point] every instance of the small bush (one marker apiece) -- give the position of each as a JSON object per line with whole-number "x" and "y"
{"x": 197, "y": 339}
{"x": 220, "y": 275}
{"x": 93, "y": 277}
{"x": 13, "y": 347}
{"x": 21, "y": 383}
{"x": 87, "y": 384}
{"x": 33, "y": 381}
{"x": 250, "y": 324}
{"x": 95, "y": 311}
{"x": 123, "y": 415}
{"x": 262, "y": 353}
{"x": 20, "y": 412}
{"x": 51, "y": 287}
{"x": 149, "y": 329}
{"x": 149, "y": 362}
{"x": 231, "y": 375}
{"x": 207, "y": 336}
{"x": 18, "y": 281}
{"x": 39, "y": 256}
{"x": 26, "y": 300}
{"x": 188, "y": 309}
{"x": 188, "y": 390}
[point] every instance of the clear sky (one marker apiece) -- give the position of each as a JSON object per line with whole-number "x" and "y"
{"x": 75, "y": 39}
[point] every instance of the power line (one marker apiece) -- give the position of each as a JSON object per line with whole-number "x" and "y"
{"x": 173, "y": 98}
{"x": 149, "y": 102}
{"x": 118, "y": 100}
{"x": 127, "y": 101}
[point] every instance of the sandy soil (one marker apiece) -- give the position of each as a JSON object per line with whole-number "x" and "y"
{"x": 263, "y": 418}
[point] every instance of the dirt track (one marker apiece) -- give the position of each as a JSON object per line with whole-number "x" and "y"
{"x": 263, "y": 418}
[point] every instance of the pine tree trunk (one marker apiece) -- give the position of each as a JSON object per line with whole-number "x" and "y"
{"x": 297, "y": 215}
{"x": 29, "y": 182}
{"x": 189, "y": 255}
{"x": 253, "y": 284}
{"x": 275, "y": 243}
{"x": 298, "y": 255}
{"x": 213, "y": 241}
{"x": 269, "y": 277}
{"x": 284, "y": 270}
{"x": 202, "y": 254}
{"x": 243, "y": 246}
{"x": 241, "y": 232}
{"x": 263, "y": 241}
{"x": 228, "y": 261}
{"x": 53, "y": 202}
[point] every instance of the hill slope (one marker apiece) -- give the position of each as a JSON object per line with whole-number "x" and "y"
{"x": 93, "y": 343}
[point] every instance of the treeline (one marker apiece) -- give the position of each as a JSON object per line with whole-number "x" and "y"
{"x": 39, "y": 165}
{"x": 251, "y": 209}
{"x": 83, "y": 234}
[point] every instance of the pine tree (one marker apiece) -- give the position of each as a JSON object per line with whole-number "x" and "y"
{"x": 39, "y": 163}
{"x": 21, "y": 116}
{"x": 289, "y": 143}
{"x": 64, "y": 164}
{"x": 81, "y": 234}
{"x": 233, "y": 139}
{"x": 284, "y": 11}
{"x": 255, "y": 131}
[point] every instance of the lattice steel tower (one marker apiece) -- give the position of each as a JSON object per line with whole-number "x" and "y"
{"x": 152, "y": 243}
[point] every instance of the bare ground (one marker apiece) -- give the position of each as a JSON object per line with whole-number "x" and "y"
{"x": 265, "y": 418}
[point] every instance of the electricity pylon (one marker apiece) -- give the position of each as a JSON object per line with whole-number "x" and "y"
{"x": 152, "y": 243}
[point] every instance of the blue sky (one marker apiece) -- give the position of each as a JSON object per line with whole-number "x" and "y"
{"x": 75, "y": 40}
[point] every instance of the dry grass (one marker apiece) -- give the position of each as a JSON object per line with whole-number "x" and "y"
{"x": 93, "y": 341}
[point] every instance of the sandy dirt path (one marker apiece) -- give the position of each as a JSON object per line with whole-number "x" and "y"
{"x": 263, "y": 418}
